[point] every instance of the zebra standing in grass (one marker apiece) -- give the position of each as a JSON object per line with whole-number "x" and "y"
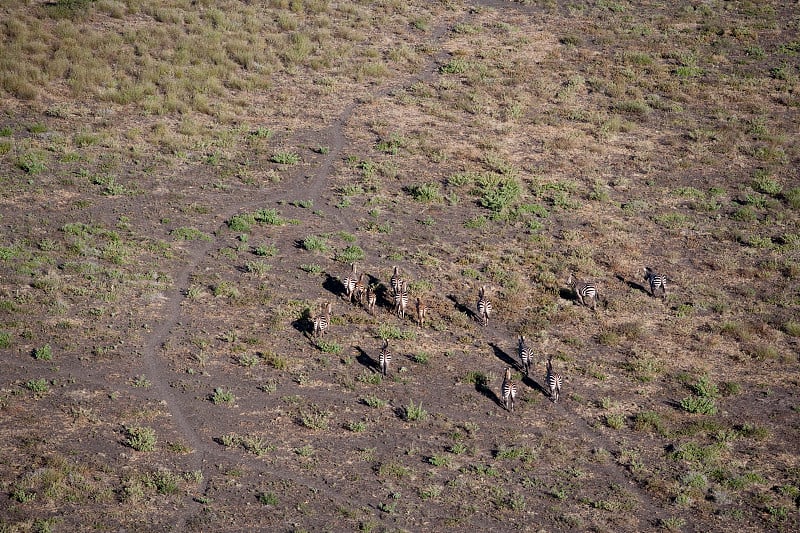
{"x": 484, "y": 306}
{"x": 372, "y": 299}
{"x": 509, "y": 390}
{"x": 422, "y": 311}
{"x": 585, "y": 291}
{"x": 360, "y": 289}
{"x": 322, "y": 320}
{"x": 657, "y": 282}
{"x": 525, "y": 354}
{"x": 553, "y": 381}
{"x": 385, "y": 357}
{"x": 350, "y": 283}
{"x": 401, "y": 299}
{"x": 396, "y": 282}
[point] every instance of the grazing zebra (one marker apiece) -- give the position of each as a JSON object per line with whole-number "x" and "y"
{"x": 350, "y": 284}
{"x": 509, "y": 390}
{"x": 584, "y": 290}
{"x": 525, "y": 354}
{"x": 401, "y": 299}
{"x": 422, "y": 311}
{"x": 360, "y": 289}
{"x": 395, "y": 282}
{"x": 372, "y": 299}
{"x": 656, "y": 281}
{"x": 484, "y": 306}
{"x": 553, "y": 381}
{"x": 385, "y": 357}
{"x": 322, "y": 320}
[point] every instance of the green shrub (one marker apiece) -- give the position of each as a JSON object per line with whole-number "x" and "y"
{"x": 315, "y": 243}
{"x": 427, "y": 192}
{"x": 699, "y": 404}
{"x": 414, "y": 413}
{"x": 221, "y": 395}
{"x": 141, "y": 439}
{"x": 351, "y": 254}
{"x": 285, "y": 158}
{"x": 45, "y": 353}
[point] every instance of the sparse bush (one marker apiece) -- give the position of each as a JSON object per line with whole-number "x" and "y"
{"x": 221, "y": 395}
{"x": 414, "y": 413}
{"x": 141, "y": 439}
{"x": 315, "y": 243}
{"x": 374, "y": 401}
{"x": 699, "y": 404}
{"x": 427, "y": 192}
{"x": 315, "y": 418}
{"x": 351, "y": 254}
{"x": 285, "y": 158}
{"x": 615, "y": 421}
{"x": 45, "y": 353}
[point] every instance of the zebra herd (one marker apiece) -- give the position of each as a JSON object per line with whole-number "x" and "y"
{"x": 358, "y": 291}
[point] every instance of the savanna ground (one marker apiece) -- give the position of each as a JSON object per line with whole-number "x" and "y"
{"x": 184, "y": 183}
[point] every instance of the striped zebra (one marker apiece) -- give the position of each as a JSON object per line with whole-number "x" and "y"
{"x": 360, "y": 289}
{"x": 509, "y": 390}
{"x": 372, "y": 299}
{"x": 422, "y": 311}
{"x": 554, "y": 381}
{"x": 322, "y": 320}
{"x": 525, "y": 354}
{"x": 401, "y": 299}
{"x": 586, "y": 291}
{"x": 396, "y": 282}
{"x": 657, "y": 282}
{"x": 484, "y": 306}
{"x": 350, "y": 283}
{"x": 385, "y": 357}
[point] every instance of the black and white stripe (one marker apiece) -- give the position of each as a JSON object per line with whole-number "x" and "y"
{"x": 322, "y": 320}
{"x": 350, "y": 283}
{"x": 360, "y": 289}
{"x": 484, "y": 306}
{"x": 372, "y": 299}
{"x": 657, "y": 282}
{"x": 385, "y": 357}
{"x": 509, "y": 390}
{"x": 401, "y": 299}
{"x": 525, "y": 354}
{"x": 422, "y": 312}
{"x": 554, "y": 381}
{"x": 585, "y": 291}
{"x": 396, "y": 282}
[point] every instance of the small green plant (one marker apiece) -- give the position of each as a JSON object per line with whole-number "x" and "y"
{"x": 269, "y": 217}
{"x": 764, "y": 183}
{"x": 312, "y": 268}
{"x": 22, "y": 496}
{"x": 426, "y": 192}
{"x": 699, "y": 405}
{"x": 45, "y": 353}
{"x": 315, "y": 418}
{"x": 315, "y": 243}
{"x": 140, "y": 382}
{"x": 705, "y": 388}
{"x": 414, "y": 412}
{"x": 329, "y": 347}
{"x": 268, "y": 498}
{"x": 190, "y": 234}
{"x": 37, "y": 386}
{"x": 31, "y": 163}
{"x": 285, "y": 158}
{"x": 221, "y": 395}
{"x": 141, "y": 439}
{"x": 351, "y": 254}
{"x": 615, "y": 421}
{"x": 374, "y": 402}
{"x": 357, "y": 426}
{"x": 439, "y": 460}
{"x": 305, "y": 204}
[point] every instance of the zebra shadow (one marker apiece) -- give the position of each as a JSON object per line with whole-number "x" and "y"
{"x": 535, "y": 385}
{"x": 632, "y": 284}
{"x": 507, "y": 359}
{"x": 367, "y": 360}
{"x": 462, "y": 308}
{"x": 305, "y": 324}
{"x": 482, "y": 387}
{"x": 333, "y": 285}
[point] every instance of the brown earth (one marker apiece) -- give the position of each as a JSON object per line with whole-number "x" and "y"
{"x": 144, "y": 338}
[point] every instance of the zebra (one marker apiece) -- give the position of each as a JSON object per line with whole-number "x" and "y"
{"x": 484, "y": 306}
{"x": 350, "y": 283}
{"x": 585, "y": 291}
{"x": 372, "y": 299}
{"x": 401, "y": 299}
{"x": 656, "y": 281}
{"x": 553, "y": 381}
{"x": 422, "y": 311}
{"x": 396, "y": 282}
{"x": 509, "y": 390}
{"x": 322, "y": 320}
{"x": 385, "y": 357}
{"x": 360, "y": 289}
{"x": 525, "y": 354}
